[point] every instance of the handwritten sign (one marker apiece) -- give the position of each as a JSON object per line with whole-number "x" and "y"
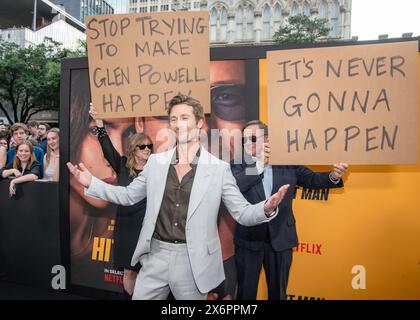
{"x": 138, "y": 62}
{"x": 356, "y": 104}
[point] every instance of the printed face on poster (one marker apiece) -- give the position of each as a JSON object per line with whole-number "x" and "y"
{"x": 138, "y": 62}
{"x": 356, "y": 104}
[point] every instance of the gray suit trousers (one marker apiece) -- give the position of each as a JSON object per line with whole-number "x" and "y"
{"x": 166, "y": 268}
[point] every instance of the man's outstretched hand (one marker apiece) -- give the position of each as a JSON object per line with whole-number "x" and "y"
{"x": 81, "y": 173}
{"x": 273, "y": 202}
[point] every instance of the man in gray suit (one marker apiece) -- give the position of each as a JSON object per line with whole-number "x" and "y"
{"x": 179, "y": 247}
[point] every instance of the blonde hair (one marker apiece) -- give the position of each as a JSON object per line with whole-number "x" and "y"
{"x": 17, "y": 164}
{"x": 135, "y": 140}
{"x": 49, "y": 150}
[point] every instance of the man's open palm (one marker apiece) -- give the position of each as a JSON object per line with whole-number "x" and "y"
{"x": 273, "y": 202}
{"x": 81, "y": 173}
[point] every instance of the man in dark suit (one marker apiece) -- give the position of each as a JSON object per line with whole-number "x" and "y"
{"x": 270, "y": 244}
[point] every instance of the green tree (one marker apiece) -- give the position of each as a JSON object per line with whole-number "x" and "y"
{"x": 30, "y": 78}
{"x": 302, "y": 29}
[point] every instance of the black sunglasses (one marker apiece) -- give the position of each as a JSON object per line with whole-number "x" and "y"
{"x": 143, "y": 146}
{"x": 252, "y": 139}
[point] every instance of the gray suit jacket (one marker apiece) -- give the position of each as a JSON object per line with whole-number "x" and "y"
{"x": 213, "y": 182}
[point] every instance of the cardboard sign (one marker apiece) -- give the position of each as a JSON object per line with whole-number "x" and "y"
{"x": 138, "y": 62}
{"x": 356, "y": 104}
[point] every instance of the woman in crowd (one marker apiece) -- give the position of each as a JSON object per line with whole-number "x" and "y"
{"x": 129, "y": 219}
{"x": 52, "y": 157}
{"x": 24, "y": 167}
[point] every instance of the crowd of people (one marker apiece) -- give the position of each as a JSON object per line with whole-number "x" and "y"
{"x": 29, "y": 152}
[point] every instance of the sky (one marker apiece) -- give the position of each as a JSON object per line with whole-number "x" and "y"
{"x": 371, "y": 18}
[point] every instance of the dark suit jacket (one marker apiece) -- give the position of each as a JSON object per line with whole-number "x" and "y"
{"x": 281, "y": 231}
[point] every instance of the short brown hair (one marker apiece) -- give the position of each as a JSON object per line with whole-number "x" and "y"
{"x": 33, "y": 123}
{"x": 17, "y": 126}
{"x": 189, "y": 101}
{"x": 46, "y": 125}
{"x": 259, "y": 123}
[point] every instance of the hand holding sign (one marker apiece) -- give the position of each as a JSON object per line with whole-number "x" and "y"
{"x": 267, "y": 151}
{"x": 94, "y": 114}
{"x": 339, "y": 170}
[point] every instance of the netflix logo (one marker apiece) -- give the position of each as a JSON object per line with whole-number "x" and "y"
{"x": 113, "y": 276}
{"x": 311, "y": 248}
